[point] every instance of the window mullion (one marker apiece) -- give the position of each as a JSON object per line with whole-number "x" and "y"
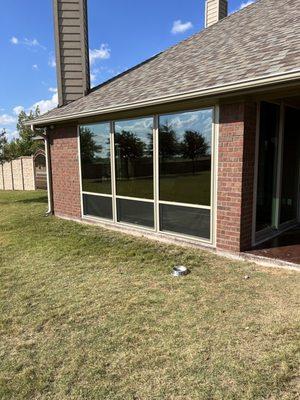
{"x": 156, "y": 171}
{"x": 113, "y": 170}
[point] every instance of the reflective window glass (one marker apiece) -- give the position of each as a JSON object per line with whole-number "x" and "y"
{"x": 185, "y": 142}
{"x": 134, "y": 158}
{"x": 95, "y": 158}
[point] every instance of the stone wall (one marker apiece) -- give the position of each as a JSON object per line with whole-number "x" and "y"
{"x": 28, "y": 173}
{"x": 18, "y": 174}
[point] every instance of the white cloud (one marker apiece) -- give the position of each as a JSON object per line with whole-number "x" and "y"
{"x": 102, "y": 73}
{"x": 46, "y": 105}
{"x": 51, "y": 61}
{"x": 32, "y": 43}
{"x": 103, "y": 53}
{"x": 6, "y": 119}
{"x": 27, "y": 42}
{"x": 93, "y": 77}
{"x": 52, "y": 89}
{"x": 18, "y": 109}
{"x": 243, "y": 5}
{"x": 35, "y": 67}
{"x": 246, "y": 4}
{"x": 143, "y": 126}
{"x": 181, "y": 27}
{"x": 14, "y": 40}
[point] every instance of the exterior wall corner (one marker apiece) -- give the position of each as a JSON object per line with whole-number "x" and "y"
{"x": 236, "y": 158}
{"x": 65, "y": 172}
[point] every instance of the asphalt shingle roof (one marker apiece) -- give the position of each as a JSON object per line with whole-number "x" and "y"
{"x": 259, "y": 41}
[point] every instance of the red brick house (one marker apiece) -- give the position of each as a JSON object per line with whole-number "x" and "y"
{"x": 200, "y": 143}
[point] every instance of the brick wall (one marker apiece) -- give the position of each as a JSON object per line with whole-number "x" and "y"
{"x": 65, "y": 172}
{"x": 235, "y": 176}
{"x": 236, "y": 154}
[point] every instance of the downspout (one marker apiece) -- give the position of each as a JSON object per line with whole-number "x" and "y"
{"x": 46, "y": 138}
{"x": 49, "y": 175}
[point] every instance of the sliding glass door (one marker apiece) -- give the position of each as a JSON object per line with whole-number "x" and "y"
{"x": 290, "y": 167}
{"x": 267, "y": 166}
{"x": 153, "y": 172}
{"x": 278, "y": 169}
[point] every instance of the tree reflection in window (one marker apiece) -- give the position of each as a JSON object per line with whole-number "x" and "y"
{"x": 88, "y": 146}
{"x": 185, "y": 157}
{"x": 95, "y": 158}
{"x": 134, "y": 158}
{"x": 129, "y": 148}
{"x": 193, "y": 147}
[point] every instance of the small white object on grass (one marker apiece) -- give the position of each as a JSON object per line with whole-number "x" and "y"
{"x": 180, "y": 270}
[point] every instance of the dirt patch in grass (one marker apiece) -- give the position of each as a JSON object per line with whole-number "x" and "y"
{"x": 86, "y": 313}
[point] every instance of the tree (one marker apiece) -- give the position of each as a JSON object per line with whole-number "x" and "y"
{"x": 3, "y": 147}
{"x": 26, "y": 146}
{"x": 88, "y": 146}
{"x": 12, "y": 150}
{"x": 128, "y": 147}
{"x": 194, "y": 146}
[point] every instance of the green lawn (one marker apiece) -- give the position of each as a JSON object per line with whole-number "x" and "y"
{"x": 87, "y": 313}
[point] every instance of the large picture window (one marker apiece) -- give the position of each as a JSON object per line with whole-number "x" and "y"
{"x": 153, "y": 172}
{"x": 134, "y": 171}
{"x": 134, "y": 158}
{"x": 185, "y": 157}
{"x": 96, "y": 170}
{"x": 95, "y": 158}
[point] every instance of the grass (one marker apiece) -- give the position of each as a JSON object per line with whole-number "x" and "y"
{"x": 87, "y": 313}
{"x": 172, "y": 188}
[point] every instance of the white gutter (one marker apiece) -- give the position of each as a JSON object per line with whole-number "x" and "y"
{"x": 49, "y": 176}
{"x": 214, "y": 90}
{"x": 48, "y": 169}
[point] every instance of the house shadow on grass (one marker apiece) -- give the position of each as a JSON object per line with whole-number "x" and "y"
{"x": 40, "y": 199}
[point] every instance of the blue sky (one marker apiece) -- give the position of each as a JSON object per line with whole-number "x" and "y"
{"x": 121, "y": 34}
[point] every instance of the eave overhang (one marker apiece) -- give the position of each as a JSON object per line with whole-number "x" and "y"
{"x": 219, "y": 90}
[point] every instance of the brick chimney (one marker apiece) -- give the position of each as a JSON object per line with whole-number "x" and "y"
{"x": 215, "y": 10}
{"x": 72, "y": 49}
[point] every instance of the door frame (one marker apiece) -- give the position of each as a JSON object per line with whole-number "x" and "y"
{"x": 272, "y": 231}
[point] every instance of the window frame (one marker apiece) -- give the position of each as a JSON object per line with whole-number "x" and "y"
{"x": 110, "y": 161}
{"x": 211, "y": 242}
